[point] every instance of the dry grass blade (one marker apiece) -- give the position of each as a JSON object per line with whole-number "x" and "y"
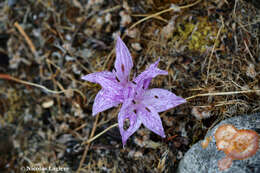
{"x": 27, "y": 39}
{"x": 8, "y": 77}
{"x": 223, "y": 93}
{"x": 87, "y": 147}
{"x": 163, "y": 11}
{"x": 145, "y": 15}
{"x": 101, "y": 133}
{"x": 213, "y": 49}
{"x": 111, "y": 9}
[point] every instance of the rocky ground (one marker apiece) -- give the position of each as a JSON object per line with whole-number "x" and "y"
{"x": 209, "y": 47}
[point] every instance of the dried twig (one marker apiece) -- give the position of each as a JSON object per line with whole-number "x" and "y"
{"x": 101, "y": 133}
{"x": 87, "y": 147}
{"x": 27, "y": 39}
{"x": 156, "y": 17}
{"x": 213, "y": 49}
{"x": 163, "y": 11}
{"x": 110, "y": 9}
{"x": 249, "y": 52}
{"x": 8, "y": 77}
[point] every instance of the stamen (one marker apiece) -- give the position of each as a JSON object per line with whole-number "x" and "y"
{"x": 117, "y": 79}
{"x": 148, "y": 109}
{"x": 123, "y": 67}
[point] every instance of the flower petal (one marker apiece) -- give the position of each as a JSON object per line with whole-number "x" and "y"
{"x": 151, "y": 120}
{"x": 92, "y": 77}
{"x": 146, "y": 76}
{"x": 106, "y": 79}
{"x": 124, "y": 62}
{"x": 104, "y": 100}
{"x": 125, "y": 113}
{"x": 161, "y": 99}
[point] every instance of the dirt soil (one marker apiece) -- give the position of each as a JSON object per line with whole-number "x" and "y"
{"x": 210, "y": 48}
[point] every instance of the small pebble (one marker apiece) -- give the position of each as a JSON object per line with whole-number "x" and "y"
{"x": 47, "y": 104}
{"x": 136, "y": 46}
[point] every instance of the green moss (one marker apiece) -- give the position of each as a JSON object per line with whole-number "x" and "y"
{"x": 196, "y": 35}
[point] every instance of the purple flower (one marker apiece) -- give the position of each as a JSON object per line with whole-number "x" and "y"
{"x": 140, "y": 105}
{"x": 113, "y": 83}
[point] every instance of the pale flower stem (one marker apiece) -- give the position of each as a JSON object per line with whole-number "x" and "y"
{"x": 101, "y": 133}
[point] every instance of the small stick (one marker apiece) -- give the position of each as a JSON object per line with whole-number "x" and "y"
{"x": 8, "y": 77}
{"x": 110, "y": 9}
{"x": 87, "y": 147}
{"x": 80, "y": 127}
{"x": 163, "y": 11}
{"x": 27, "y": 39}
{"x": 248, "y": 50}
{"x": 213, "y": 49}
{"x": 172, "y": 137}
{"x": 101, "y": 133}
{"x": 145, "y": 15}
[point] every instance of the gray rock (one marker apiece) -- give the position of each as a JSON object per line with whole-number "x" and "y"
{"x": 199, "y": 160}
